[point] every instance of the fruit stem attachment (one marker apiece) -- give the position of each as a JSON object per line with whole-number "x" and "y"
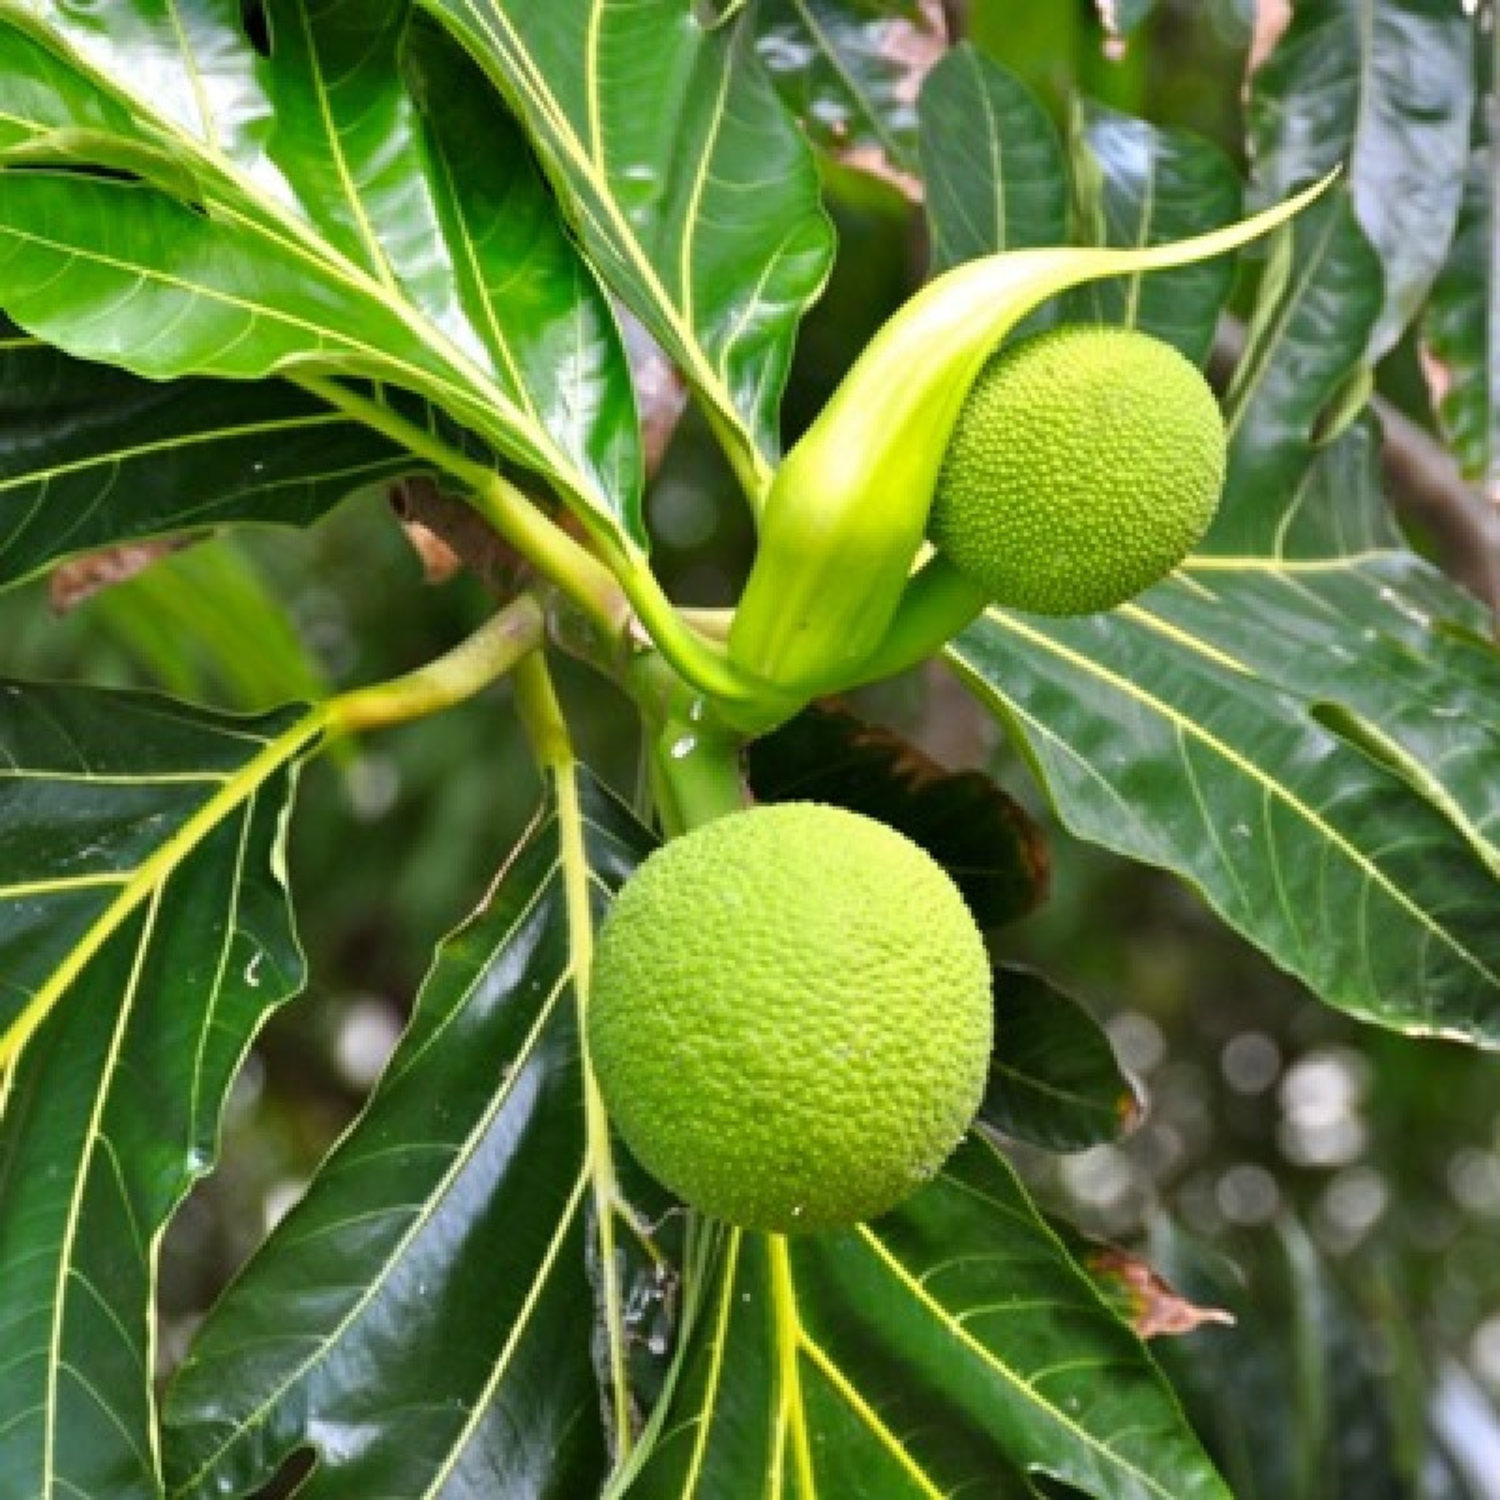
{"x": 692, "y": 758}
{"x": 504, "y": 641}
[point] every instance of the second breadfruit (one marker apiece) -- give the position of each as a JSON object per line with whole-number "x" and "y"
{"x": 1087, "y": 462}
{"x": 791, "y": 1016}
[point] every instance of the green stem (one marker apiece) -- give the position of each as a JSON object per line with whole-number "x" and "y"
{"x": 605, "y": 591}
{"x": 542, "y": 717}
{"x": 938, "y": 603}
{"x": 501, "y": 643}
{"x": 566, "y": 562}
{"x": 693, "y": 757}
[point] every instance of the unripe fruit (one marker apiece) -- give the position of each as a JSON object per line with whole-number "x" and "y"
{"x": 790, "y": 1020}
{"x": 1087, "y": 462}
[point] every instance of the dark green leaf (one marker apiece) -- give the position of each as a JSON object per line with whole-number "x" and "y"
{"x": 1317, "y": 304}
{"x": 688, "y": 180}
{"x": 1054, "y": 1081}
{"x": 144, "y": 936}
{"x": 228, "y": 214}
{"x": 1386, "y": 87}
{"x": 948, "y": 1348}
{"x": 851, "y": 74}
{"x": 991, "y": 160}
{"x": 1461, "y": 331}
{"x": 982, "y": 837}
{"x": 1190, "y": 730}
{"x": 91, "y": 456}
{"x": 1292, "y": 1399}
{"x": 1142, "y": 185}
{"x": 424, "y": 1320}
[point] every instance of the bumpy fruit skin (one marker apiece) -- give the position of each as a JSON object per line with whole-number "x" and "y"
{"x": 790, "y": 1018}
{"x": 1086, "y": 464}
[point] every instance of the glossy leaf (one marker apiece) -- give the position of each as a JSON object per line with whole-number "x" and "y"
{"x": 1139, "y": 184}
{"x": 851, "y": 74}
{"x": 690, "y": 186}
{"x": 1461, "y": 331}
{"x": 1385, "y": 86}
{"x": 144, "y": 936}
{"x": 354, "y": 203}
{"x": 91, "y": 456}
{"x": 1054, "y": 1081}
{"x": 1318, "y": 301}
{"x": 1121, "y": 17}
{"x": 1222, "y": 727}
{"x": 952, "y": 1346}
{"x": 992, "y": 163}
{"x": 423, "y": 1321}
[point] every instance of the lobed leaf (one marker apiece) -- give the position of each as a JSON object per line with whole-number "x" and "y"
{"x": 354, "y": 203}
{"x": 91, "y": 456}
{"x": 687, "y": 180}
{"x": 1213, "y": 727}
{"x": 950, "y": 1346}
{"x": 423, "y": 1321}
{"x": 144, "y": 936}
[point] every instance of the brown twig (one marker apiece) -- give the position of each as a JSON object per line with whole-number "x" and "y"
{"x": 420, "y": 503}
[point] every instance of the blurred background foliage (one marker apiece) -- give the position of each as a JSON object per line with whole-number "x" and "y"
{"x": 1336, "y": 1187}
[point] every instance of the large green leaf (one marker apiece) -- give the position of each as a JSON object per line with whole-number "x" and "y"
{"x": 690, "y": 185}
{"x": 992, "y": 163}
{"x": 952, "y": 1347}
{"x": 424, "y": 1320}
{"x": 1297, "y": 722}
{"x": 91, "y": 456}
{"x": 1304, "y": 356}
{"x": 1141, "y": 185}
{"x": 1385, "y": 86}
{"x": 355, "y": 202}
{"x": 1461, "y": 329}
{"x": 852, "y": 73}
{"x": 1266, "y": 729}
{"x": 144, "y": 935}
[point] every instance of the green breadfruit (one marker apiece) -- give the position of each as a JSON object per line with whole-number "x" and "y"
{"x": 790, "y": 1017}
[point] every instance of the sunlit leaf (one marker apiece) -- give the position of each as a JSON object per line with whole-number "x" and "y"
{"x": 354, "y": 203}
{"x": 690, "y": 185}
{"x": 851, "y": 74}
{"x": 144, "y": 936}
